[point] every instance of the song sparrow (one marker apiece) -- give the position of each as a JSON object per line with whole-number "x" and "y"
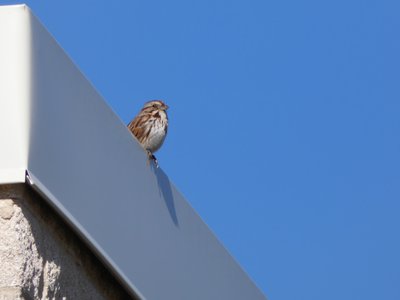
{"x": 150, "y": 127}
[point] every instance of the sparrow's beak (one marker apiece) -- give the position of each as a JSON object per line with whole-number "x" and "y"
{"x": 166, "y": 106}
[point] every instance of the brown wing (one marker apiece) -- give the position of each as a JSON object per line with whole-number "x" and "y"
{"x": 139, "y": 126}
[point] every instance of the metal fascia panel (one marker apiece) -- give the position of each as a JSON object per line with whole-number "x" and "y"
{"x": 14, "y": 92}
{"x": 85, "y": 161}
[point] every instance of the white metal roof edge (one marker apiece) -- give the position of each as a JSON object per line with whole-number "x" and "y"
{"x": 82, "y": 159}
{"x": 15, "y": 92}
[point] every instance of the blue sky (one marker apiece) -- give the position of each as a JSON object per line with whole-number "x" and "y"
{"x": 284, "y": 125}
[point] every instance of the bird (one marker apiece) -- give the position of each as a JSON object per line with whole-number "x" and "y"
{"x": 150, "y": 127}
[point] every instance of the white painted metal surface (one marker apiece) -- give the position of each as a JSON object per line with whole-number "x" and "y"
{"x": 14, "y": 92}
{"x": 83, "y": 159}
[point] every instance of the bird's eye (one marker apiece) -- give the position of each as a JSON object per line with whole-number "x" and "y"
{"x": 155, "y": 105}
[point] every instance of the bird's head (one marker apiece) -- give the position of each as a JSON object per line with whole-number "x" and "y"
{"x": 157, "y": 104}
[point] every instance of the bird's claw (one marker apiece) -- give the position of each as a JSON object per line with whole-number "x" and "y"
{"x": 151, "y": 156}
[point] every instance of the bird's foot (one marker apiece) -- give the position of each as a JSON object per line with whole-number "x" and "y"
{"x": 151, "y": 156}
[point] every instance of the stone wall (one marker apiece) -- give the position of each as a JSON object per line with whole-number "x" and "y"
{"x": 41, "y": 257}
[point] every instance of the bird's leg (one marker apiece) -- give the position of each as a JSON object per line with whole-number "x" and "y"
{"x": 155, "y": 160}
{"x": 151, "y": 156}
